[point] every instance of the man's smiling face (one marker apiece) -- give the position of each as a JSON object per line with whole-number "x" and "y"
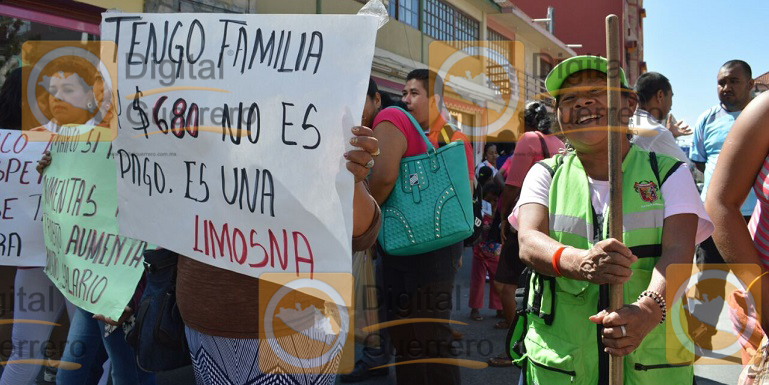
{"x": 582, "y": 106}
{"x": 583, "y": 109}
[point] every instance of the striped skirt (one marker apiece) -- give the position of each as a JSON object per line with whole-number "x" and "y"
{"x": 236, "y": 361}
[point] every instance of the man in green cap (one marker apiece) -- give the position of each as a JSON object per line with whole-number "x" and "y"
{"x": 566, "y": 335}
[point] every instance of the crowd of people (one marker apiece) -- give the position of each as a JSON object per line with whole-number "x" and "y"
{"x": 542, "y": 240}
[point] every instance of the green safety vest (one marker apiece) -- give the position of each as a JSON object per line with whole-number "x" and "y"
{"x": 562, "y": 346}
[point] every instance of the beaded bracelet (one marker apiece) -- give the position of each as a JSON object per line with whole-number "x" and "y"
{"x": 658, "y": 299}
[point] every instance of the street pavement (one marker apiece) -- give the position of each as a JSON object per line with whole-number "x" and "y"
{"x": 482, "y": 333}
{"x": 481, "y": 342}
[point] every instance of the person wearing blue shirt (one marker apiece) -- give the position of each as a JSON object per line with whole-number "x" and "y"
{"x": 735, "y": 84}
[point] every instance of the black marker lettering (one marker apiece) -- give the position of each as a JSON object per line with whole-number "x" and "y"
{"x": 285, "y": 123}
{"x": 316, "y": 55}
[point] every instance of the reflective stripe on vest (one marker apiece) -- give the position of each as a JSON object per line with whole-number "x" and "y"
{"x": 569, "y": 224}
{"x": 570, "y": 204}
{"x": 631, "y": 221}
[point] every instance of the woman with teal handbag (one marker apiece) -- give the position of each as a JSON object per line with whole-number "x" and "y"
{"x": 424, "y": 190}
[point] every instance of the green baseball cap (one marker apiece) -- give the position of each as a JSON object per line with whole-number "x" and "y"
{"x": 572, "y": 65}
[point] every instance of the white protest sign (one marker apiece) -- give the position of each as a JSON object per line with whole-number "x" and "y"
{"x": 274, "y": 196}
{"x": 21, "y": 215}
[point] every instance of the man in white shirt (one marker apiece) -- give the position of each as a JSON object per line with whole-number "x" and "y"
{"x": 655, "y": 99}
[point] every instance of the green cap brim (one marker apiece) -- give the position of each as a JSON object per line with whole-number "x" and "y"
{"x": 572, "y": 65}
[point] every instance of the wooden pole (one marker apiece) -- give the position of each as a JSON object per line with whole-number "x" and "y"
{"x": 615, "y": 169}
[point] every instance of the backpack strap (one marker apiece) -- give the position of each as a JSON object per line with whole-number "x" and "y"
{"x": 522, "y": 292}
{"x": 552, "y": 169}
{"x": 672, "y": 170}
{"x": 656, "y": 169}
{"x": 516, "y": 333}
{"x": 547, "y": 166}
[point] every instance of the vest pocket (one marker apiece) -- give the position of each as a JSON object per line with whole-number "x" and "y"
{"x": 554, "y": 376}
{"x": 639, "y": 366}
{"x": 547, "y": 366}
{"x": 663, "y": 373}
{"x": 574, "y": 287}
{"x": 652, "y": 367}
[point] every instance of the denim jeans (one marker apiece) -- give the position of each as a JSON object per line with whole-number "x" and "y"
{"x": 85, "y": 337}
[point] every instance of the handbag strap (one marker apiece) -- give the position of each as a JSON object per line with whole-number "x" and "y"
{"x": 545, "y": 151}
{"x": 430, "y": 147}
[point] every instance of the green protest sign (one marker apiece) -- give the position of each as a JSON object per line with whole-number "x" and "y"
{"x": 94, "y": 267}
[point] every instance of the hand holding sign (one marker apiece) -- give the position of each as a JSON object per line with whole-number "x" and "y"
{"x": 123, "y": 317}
{"x": 44, "y": 162}
{"x": 360, "y": 161}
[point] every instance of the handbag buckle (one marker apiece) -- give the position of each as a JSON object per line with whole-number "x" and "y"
{"x": 434, "y": 165}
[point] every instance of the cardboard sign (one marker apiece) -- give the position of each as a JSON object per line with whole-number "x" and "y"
{"x": 93, "y": 266}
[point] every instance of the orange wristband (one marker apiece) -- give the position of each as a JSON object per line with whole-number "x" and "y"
{"x": 556, "y": 259}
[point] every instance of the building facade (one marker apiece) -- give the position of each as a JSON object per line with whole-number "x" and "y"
{"x": 583, "y": 23}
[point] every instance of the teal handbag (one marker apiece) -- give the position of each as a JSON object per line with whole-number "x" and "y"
{"x": 431, "y": 205}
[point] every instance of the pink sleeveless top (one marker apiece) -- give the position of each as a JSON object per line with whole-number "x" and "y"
{"x": 759, "y": 222}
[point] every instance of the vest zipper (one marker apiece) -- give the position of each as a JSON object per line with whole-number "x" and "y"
{"x": 552, "y": 369}
{"x": 643, "y": 367}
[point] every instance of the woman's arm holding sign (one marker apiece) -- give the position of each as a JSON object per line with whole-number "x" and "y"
{"x": 384, "y": 174}
{"x": 359, "y": 163}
